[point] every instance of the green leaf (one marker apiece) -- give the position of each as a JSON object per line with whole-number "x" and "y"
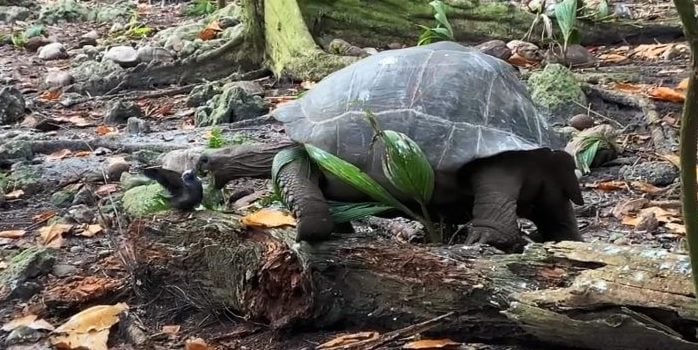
{"x": 353, "y": 176}
{"x": 566, "y": 16}
{"x": 345, "y": 212}
{"x": 441, "y": 18}
{"x": 604, "y": 10}
{"x": 586, "y": 156}
{"x": 34, "y": 31}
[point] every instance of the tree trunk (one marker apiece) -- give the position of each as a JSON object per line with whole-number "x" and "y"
{"x": 569, "y": 294}
{"x": 283, "y": 35}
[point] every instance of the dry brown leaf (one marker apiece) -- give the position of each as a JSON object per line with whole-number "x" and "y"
{"x": 52, "y": 235}
{"x": 43, "y": 216}
{"x": 95, "y": 318}
{"x": 520, "y": 61}
{"x": 646, "y": 187}
{"x": 104, "y": 130}
{"x": 673, "y": 158}
{"x": 91, "y": 230}
{"x": 51, "y": 95}
{"x": 82, "y": 154}
{"x": 196, "y": 344}
{"x": 171, "y": 329}
{"x": 106, "y": 189}
{"x": 676, "y": 228}
{"x": 27, "y": 321}
{"x": 210, "y": 32}
{"x": 12, "y": 234}
{"x": 268, "y": 218}
{"x": 16, "y": 194}
{"x": 432, "y": 344}
{"x": 662, "y": 215}
{"x": 683, "y": 85}
{"x": 611, "y": 185}
{"x": 650, "y": 51}
{"x": 348, "y": 339}
{"x": 95, "y": 340}
{"x": 627, "y": 87}
{"x": 60, "y": 154}
{"x": 612, "y": 58}
{"x": 624, "y": 208}
{"x": 667, "y": 94}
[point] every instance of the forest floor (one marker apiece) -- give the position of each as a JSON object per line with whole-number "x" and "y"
{"x": 632, "y": 200}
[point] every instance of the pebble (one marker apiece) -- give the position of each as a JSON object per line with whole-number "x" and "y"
{"x": 125, "y": 56}
{"x": 89, "y": 38}
{"x": 116, "y": 167}
{"x": 120, "y": 111}
{"x": 581, "y": 122}
{"x": 53, "y": 51}
{"x": 58, "y": 79}
{"x": 36, "y": 43}
{"x": 136, "y": 126}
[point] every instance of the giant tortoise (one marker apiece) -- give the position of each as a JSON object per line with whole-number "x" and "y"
{"x": 493, "y": 153}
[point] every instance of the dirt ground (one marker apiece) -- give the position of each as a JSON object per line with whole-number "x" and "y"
{"x": 617, "y": 208}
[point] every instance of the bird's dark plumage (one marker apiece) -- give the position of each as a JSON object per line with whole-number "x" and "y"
{"x": 185, "y": 189}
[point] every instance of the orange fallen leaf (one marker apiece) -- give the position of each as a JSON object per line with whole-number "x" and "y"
{"x": 662, "y": 215}
{"x": 171, "y": 329}
{"x": 196, "y": 344}
{"x": 683, "y": 85}
{"x": 51, "y": 95}
{"x": 89, "y": 328}
{"x": 52, "y": 235}
{"x": 104, "y": 130}
{"x": 210, "y": 32}
{"x": 612, "y": 58}
{"x": 520, "y": 61}
{"x": 268, "y": 218}
{"x": 646, "y": 187}
{"x": 12, "y": 233}
{"x": 432, "y": 344}
{"x": 627, "y": 87}
{"x": 82, "y": 154}
{"x": 611, "y": 186}
{"x": 676, "y": 228}
{"x": 60, "y": 154}
{"x": 16, "y": 194}
{"x": 91, "y": 230}
{"x": 667, "y": 94}
{"x": 650, "y": 51}
{"x": 348, "y": 339}
{"x": 43, "y": 216}
{"x": 106, "y": 189}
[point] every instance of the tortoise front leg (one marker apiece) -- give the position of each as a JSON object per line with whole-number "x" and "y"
{"x": 298, "y": 182}
{"x": 496, "y": 189}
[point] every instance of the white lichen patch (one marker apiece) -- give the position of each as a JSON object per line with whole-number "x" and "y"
{"x": 639, "y": 276}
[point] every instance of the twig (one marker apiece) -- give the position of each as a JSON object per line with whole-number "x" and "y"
{"x": 589, "y": 110}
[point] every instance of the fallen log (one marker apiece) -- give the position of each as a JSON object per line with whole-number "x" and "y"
{"x": 568, "y": 294}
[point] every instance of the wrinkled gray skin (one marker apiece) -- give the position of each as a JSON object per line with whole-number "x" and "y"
{"x": 491, "y": 150}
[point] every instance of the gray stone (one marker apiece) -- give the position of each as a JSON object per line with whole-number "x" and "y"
{"x": 181, "y": 159}
{"x": 23, "y": 334}
{"x": 115, "y": 167}
{"x": 64, "y": 270}
{"x": 35, "y": 43}
{"x": 12, "y": 105}
{"x": 655, "y": 173}
{"x": 53, "y": 51}
{"x": 125, "y": 56}
{"x": 63, "y": 198}
{"x": 86, "y": 196}
{"x": 341, "y": 47}
{"x": 81, "y": 214}
{"x": 234, "y": 103}
{"x": 25, "y": 266}
{"x": 91, "y": 51}
{"x": 89, "y": 38}
{"x": 58, "y": 79}
{"x": 10, "y": 14}
{"x": 154, "y": 54}
{"x": 120, "y": 111}
{"x": 63, "y": 11}
{"x": 202, "y": 93}
{"x": 137, "y": 126}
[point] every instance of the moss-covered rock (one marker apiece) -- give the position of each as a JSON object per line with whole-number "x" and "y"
{"x": 63, "y": 198}
{"x": 234, "y": 103}
{"x": 556, "y": 89}
{"x": 74, "y": 11}
{"x": 145, "y": 200}
{"x": 23, "y": 177}
{"x": 26, "y": 265}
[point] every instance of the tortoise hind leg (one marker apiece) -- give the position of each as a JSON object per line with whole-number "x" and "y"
{"x": 496, "y": 188}
{"x": 298, "y": 182}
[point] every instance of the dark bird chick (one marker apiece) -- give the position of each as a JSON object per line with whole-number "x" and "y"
{"x": 185, "y": 189}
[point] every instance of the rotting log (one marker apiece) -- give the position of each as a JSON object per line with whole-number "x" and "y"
{"x": 284, "y": 36}
{"x": 568, "y": 294}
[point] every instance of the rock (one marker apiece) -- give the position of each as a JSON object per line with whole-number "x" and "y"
{"x": 136, "y": 126}
{"x": 577, "y": 56}
{"x": 395, "y": 46}
{"x": 10, "y": 14}
{"x": 120, "y": 111}
{"x": 12, "y": 105}
{"x": 251, "y": 88}
{"x": 181, "y": 159}
{"x": 80, "y": 214}
{"x": 58, "y": 79}
{"x": 144, "y": 200}
{"x": 91, "y": 69}
{"x": 556, "y": 89}
{"x": 53, "y": 51}
{"x": 233, "y": 104}
{"x": 24, "y": 267}
{"x": 91, "y": 51}
{"x": 85, "y": 196}
{"x": 341, "y": 47}
{"x": 125, "y": 56}
{"x": 656, "y": 173}
{"x": 154, "y": 54}
{"x": 63, "y": 198}
{"x": 63, "y": 11}
{"x": 35, "y": 43}
{"x": 227, "y": 22}
{"x": 527, "y": 50}
{"x": 496, "y": 48}
{"x": 64, "y": 270}
{"x": 89, "y": 38}
{"x": 23, "y": 334}
{"x": 370, "y": 50}
{"x": 202, "y": 93}
{"x": 115, "y": 167}
{"x": 581, "y": 122}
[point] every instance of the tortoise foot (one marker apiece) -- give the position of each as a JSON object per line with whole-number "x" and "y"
{"x": 504, "y": 241}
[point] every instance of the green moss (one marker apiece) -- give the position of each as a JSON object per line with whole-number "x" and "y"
{"x": 27, "y": 264}
{"x": 145, "y": 200}
{"x": 63, "y": 198}
{"x": 556, "y": 89}
{"x": 23, "y": 177}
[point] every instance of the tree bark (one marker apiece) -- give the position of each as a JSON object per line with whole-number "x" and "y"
{"x": 553, "y": 294}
